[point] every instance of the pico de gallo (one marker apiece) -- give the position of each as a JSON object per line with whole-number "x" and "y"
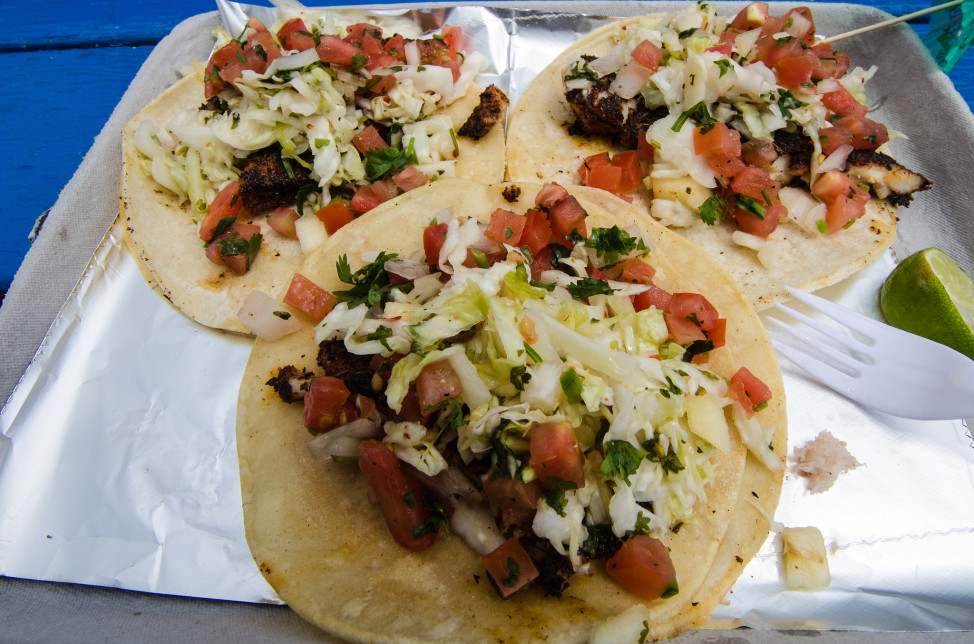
{"x": 736, "y": 121}
{"x": 524, "y": 384}
{"x": 310, "y": 123}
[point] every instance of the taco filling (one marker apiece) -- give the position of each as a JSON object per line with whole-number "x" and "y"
{"x": 310, "y": 123}
{"x": 735, "y": 120}
{"x": 522, "y": 383}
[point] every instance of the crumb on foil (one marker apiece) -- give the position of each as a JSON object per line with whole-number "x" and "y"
{"x": 821, "y": 460}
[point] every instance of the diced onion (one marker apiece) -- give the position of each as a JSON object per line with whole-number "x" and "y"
{"x": 411, "y": 51}
{"x": 630, "y": 79}
{"x": 343, "y": 441}
{"x": 266, "y": 318}
{"x": 836, "y": 160}
{"x": 409, "y": 269}
{"x": 607, "y": 64}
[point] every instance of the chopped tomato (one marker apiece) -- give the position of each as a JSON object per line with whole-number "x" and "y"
{"x": 831, "y": 64}
{"x": 410, "y": 178}
{"x": 759, "y": 226}
{"x": 295, "y": 35}
{"x": 509, "y": 567}
{"x": 726, "y": 49}
{"x": 400, "y": 496}
{"x": 433, "y": 237}
{"x": 516, "y": 499}
{"x": 334, "y": 216}
{"x": 648, "y": 55}
{"x": 436, "y": 384}
{"x": 843, "y": 103}
{"x": 550, "y": 194}
{"x": 727, "y": 166}
{"x": 396, "y": 47}
{"x": 690, "y": 317}
{"x": 505, "y": 227}
{"x": 226, "y": 204}
{"x": 365, "y": 199}
{"x": 327, "y": 404}
{"x": 796, "y": 71}
{"x": 537, "y": 231}
{"x": 632, "y": 170}
{"x": 220, "y": 249}
{"x": 567, "y": 215}
{"x": 832, "y": 138}
{"x": 555, "y": 454}
{"x": 357, "y": 32}
{"x": 842, "y": 212}
{"x": 642, "y": 566}
{"x": 282, "y": 221}
{"x": 717, "y": 140}
{"x": 605, "y": 177}
{"x": 226, "y": 55}
{"x": 752, "y": 182}
{"x": 637, "y": 271}
{"x": 749, "y": 390}
{"x": 867, "y": 134}
{"x": 368, "y": 138}
{"x": 654, "y": 296}
{"x": 590, "y": 162}
{"x": 758, "y": 152}
{"x": 332, "y": 49}
{"x": 833, "y": 184}
{"x": 644, "y": 149}
{"x": 452, "y": 36}
{"x": 541, "y": 263}
{"x": 309, "y": 298}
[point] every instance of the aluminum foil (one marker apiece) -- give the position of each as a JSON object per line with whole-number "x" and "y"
{"x": 118, "y": 463}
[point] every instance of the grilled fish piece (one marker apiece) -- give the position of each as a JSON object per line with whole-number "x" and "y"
{"x": 290, "y": 383}
{"x": 488, "y": 111}
{"x": 265, "y": 182}
{"x": 599, "y": 112}
{"x": 888, "y": 179}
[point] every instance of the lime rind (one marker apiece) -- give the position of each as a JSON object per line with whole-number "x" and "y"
{"x": 929, "y": 295}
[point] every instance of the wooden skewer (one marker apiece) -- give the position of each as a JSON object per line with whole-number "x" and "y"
{"x": 892, "y": 21}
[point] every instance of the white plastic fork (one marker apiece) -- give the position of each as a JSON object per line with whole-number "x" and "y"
{"x": 884, "y": 367}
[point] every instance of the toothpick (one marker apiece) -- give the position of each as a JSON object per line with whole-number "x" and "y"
{"x": 893, "y": 21}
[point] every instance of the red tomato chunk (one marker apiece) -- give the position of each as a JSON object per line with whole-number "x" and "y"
{"x": 749, "y": 390}
{"x": 437, "y": 383}
{"x": 643, "y": 567}
{"x": 509, "y": 567}
{"x": 309, "y": 298}
{"x": 555, "y": 454}
{"x": 400, "y": 496}
{"x": 327, "y": 405}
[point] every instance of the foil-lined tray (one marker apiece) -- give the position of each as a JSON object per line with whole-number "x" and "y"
{"x": 118, "y": 461}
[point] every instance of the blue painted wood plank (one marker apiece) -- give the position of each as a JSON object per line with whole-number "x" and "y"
{"x": 45, "y": 142}
{"x": 68, "y": 23}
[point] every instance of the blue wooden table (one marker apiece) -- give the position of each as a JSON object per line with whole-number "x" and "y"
{"x": 68, "y": 63}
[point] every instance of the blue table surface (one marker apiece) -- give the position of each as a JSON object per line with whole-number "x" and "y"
{"x": 86, "y": 53}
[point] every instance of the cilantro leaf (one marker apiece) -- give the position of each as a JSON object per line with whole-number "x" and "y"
{"x": 369, "y": 283}
{"x": 588, "y": 286}
{"x": 622, "y": 459}
{"x": 380, "y": 162}
{"x": 612, "y": 243}
{"x": 714, "y": 208}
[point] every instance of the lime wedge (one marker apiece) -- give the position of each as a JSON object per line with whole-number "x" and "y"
{"x": 929, "y": 295}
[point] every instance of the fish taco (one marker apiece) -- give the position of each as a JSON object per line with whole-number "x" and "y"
{"x": 745, "y": 135}
{"x": 239, "y": 170}
{"x": 508, "y": 413}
